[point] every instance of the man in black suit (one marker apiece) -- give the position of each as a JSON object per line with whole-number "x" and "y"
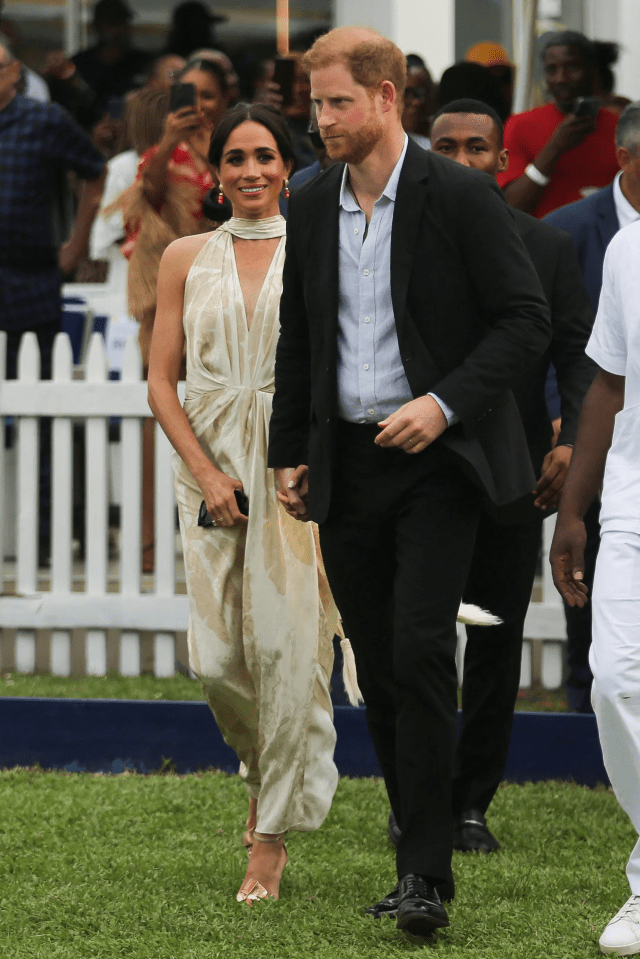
{"x": 504, "y": 560}
{"x": 409, "y": 307}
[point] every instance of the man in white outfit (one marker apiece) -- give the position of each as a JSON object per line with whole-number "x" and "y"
{"x": 608, "y": 444}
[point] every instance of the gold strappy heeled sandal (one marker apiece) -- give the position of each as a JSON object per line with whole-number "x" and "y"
{"x": 251, "y": 890}
{"x": 247, "y": 839}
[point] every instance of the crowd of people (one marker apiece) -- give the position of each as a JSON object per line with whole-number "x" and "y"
{"x": 381, "y": 291}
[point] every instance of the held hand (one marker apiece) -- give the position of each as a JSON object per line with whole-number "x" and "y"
{"x": 179, "y": 125}
{"x": 572, "y": 132}
{"x": 293, "y": 490}
{"x": 217, "y": 490}
{"x": 567, "y": 560}
{"x": 554, "y": 472}
{"x": 414, "y": 426}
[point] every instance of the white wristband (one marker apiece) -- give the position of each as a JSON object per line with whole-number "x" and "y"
{"x": 538, "y": 178}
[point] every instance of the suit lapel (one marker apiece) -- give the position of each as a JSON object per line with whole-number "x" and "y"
{"x": 608, "y": 224}
{"x": 410, "y": 199}
{"x": 324, "y": 242}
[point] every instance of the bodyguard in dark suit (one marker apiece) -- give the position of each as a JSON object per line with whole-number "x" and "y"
{"x": 504, "y": 560}
{"x": 593, "y": 223}
{"x": 409, "y": 308}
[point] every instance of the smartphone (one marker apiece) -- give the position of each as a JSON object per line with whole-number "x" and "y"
{"x": 586, "y": 107}
{"x": 115, "y": 107}
{"x": 181, "y": 95}
{"x": 283, "y": 74}
{"x": 204, "y": 516}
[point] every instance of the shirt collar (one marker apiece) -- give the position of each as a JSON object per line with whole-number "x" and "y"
{"x": 347, "y": 200}
{"x": 625, "y": 212}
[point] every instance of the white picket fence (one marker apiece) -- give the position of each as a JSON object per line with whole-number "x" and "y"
{"x": 97, "y": 598}
{"x": 122, "y": 603}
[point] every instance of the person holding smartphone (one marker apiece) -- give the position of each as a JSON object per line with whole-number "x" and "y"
{"x": 262, "y": 618}
{"x": 563, "y": 151}
{"x": 166, "y": 202}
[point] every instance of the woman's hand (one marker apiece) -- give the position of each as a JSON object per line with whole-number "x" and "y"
{"x": 179, "y": 126}
{"x": 217, "y": 490}
{"x": 292, "y": 486}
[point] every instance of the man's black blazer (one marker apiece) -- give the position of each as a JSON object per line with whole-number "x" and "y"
{"x": 470, "y": 315}
{"x": 554, "y": 257}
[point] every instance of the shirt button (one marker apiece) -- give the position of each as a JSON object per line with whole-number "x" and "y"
{"x": 356, "y": 231}
{"x": 367, "y": 319}
{"x": 366, "y": 366}
{"x": 371, "y": 412}
{"x": 366, "y": 272}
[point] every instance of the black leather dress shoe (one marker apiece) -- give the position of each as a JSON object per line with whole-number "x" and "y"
{"x": 389, "y": 905}
{"x": 471, "y": 833}
{"x": 420, "y": 911}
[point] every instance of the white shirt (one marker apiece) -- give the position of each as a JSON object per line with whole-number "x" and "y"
{"x": 36, "y": 88}
{"x": 121, "y": 173}
{"x": 615, "y": 347}
{"x": 371, "y": 378}
{"x": 624, "y": 211}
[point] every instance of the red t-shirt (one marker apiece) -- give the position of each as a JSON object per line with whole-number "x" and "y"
{"x": 590, "y": 165}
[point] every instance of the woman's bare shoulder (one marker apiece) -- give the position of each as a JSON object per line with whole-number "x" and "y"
{"x": 179, "y": 256}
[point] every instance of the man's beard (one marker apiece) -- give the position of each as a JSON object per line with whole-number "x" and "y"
{"x": 355, "y": 147}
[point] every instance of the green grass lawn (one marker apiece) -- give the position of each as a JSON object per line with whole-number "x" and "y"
{"x": 103, "y": 867}
{"x": 181, "y": 687}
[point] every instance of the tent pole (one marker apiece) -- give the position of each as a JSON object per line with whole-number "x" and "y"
{"x": 71, "y": 27}
{"x": 282, "y": 27}
{"x": 525, "y": 14}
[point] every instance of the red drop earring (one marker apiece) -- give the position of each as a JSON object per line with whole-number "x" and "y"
{"x": 286, "y": 190}
{"x": 220, "y": 197}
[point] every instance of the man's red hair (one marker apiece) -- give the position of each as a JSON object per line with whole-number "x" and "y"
{"x": 368, "y": 56}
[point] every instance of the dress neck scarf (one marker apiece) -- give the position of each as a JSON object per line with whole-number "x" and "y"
{"x": 266, "y": 229}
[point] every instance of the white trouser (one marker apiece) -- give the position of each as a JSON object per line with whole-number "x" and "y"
{"x": 615, "y": 663}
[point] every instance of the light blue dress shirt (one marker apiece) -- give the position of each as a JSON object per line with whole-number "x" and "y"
{"x": 371, "y": 378}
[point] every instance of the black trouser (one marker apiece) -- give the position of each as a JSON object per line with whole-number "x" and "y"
{"x": 397, "y": 545}
{"x": 46, "y": 334}
{"x": 578, "y": 621}
{"x": 500, "y": 580}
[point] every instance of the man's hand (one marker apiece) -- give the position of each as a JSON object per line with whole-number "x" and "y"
{"x": 554, "y": 472}
{"x": 293, "y": 490}
{"x": 58, "y": 65}
{"x": 572, "y": 132}
{"x": 268, "y": 93}
{"x": 414, "y": 426}
{"x": 567, "y": 560}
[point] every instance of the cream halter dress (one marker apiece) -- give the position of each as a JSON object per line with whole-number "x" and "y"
{"x": 262, "y": 617}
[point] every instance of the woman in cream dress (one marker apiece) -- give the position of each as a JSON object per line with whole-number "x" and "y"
{"x": 262, "y": 618}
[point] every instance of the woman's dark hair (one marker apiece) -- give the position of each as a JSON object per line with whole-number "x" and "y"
{"x": 269, "y": 118}
{"x": 206, "y": 66}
